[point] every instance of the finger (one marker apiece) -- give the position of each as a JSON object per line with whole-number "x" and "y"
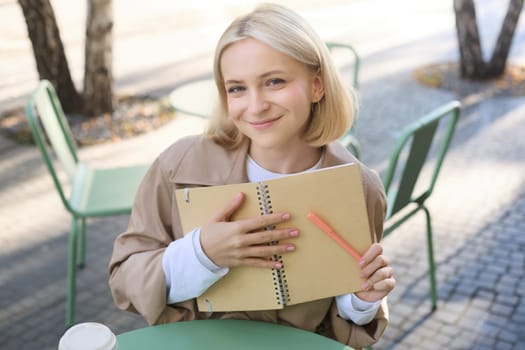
{"x": 385, "y": 285}
{"x": 378, "y": 276}
{"x": 260, "y": 262}
{"x": 269, "y": 236}
{"x": 263, "y": 221}
{"x": 266, "y": 250}
{"x": 379, "y": 262}
{"x": 372, "y": 252}
{"x": 225, "y": 213}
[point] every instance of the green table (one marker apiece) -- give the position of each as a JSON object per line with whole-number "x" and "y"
{"x": 196, "y": 97}
{"x": 224, "y": 335}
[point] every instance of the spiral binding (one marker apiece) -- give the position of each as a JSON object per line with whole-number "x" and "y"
{"x": 279, "y": 275}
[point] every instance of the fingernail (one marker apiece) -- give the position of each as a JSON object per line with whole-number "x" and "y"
{"x": 278, "y": 265}
{"x": 362, "y": 262}
{"x": 294, "y": 233}
{"x": 364, "y": 286}
{"x": 285, "y": 216}
{"x": 290, "y": 248}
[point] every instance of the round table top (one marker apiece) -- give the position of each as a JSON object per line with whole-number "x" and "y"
{"x": 197, "y": 97}
{"x": 225, "y": 335}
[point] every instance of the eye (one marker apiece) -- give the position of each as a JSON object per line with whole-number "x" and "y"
{"x": 275, "y": 82}
{"x": 235, "y": 89}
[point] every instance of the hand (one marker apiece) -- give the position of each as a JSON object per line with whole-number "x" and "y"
{"x": 245, "y": 242}
{"x": 377, "y": 275}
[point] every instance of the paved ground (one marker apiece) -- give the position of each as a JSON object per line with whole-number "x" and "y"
{"x": 478, "y": 207}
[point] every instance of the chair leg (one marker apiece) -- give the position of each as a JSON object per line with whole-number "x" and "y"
{"x": 356, "y": 150}
{"x": 431, "y": 264}
{"x": 71, "y": 272}
{"x": 352, "y": 144}
{"x": 81, "y": 244}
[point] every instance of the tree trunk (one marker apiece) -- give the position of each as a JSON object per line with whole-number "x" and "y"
{"x": 472, "y": 65}
{"x": 496, "y": 66}
{"x": 50, "y": 57}
{"x": 98, "y": 77}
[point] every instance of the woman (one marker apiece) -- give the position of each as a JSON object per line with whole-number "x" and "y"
{"x": 282, "y": 108}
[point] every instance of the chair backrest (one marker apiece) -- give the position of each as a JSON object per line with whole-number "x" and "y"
{"x": 415, "y": 144}
{"x": 47, "y": 121}
{"x": 349, "y": 140}
{"x": 334, "y": 47}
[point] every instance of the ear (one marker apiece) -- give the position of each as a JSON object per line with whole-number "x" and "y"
{"x": 317, "y": 87}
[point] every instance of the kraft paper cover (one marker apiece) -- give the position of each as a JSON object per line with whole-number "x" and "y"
{"x": 319, "y": 268}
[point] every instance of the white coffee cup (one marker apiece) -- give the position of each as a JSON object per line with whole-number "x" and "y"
{"x": 88, "y": 336}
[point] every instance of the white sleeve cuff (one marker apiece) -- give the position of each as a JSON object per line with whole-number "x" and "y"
{"x": 199, "y": 253}
{"x": 352, "y": 308}
{"x": 188, "y": 271}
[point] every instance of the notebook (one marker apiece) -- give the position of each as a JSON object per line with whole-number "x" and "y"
{"x": 319, "y": 267}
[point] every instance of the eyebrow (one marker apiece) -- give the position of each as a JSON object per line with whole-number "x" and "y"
{"x": 272, "y": 72}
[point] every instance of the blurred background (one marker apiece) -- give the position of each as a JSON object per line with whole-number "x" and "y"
{"x": 478, "y": 207}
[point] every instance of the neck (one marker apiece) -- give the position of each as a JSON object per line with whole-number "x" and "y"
{"x": 286, "y": 162}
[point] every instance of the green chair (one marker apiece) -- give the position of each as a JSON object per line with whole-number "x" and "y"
{"x": 92, "y": 192}
{"x": 410, "y": 154}
{"x": 349, "y": 137}
{"x": 334, "y": 46}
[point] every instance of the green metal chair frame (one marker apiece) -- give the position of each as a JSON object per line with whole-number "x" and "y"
{"x": 349, "y": 138}
{"x": 333, "y": 45}
{"x": 418, "y": 139}
{"x": 93, "y": 192}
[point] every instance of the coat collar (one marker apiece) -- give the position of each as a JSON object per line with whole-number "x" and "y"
{"x": 205, "y": 163}
{"x": 336, "y": 154}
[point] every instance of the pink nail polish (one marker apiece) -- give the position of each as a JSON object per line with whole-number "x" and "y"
{"x": 294, "y": 233}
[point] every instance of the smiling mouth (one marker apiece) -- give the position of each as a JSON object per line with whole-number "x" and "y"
{"x": 264, "y": 123}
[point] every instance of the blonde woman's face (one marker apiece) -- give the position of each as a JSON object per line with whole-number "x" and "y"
{"x": 268, "y": 94}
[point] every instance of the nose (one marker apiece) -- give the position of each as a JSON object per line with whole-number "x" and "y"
{"x": 257, "y": 102}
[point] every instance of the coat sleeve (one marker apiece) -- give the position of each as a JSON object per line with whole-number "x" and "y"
{"x": 136, "y": 278}
{"x": 345, "y": 331}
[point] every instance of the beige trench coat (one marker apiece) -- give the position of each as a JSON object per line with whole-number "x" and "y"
{"x": 136, "y": 275}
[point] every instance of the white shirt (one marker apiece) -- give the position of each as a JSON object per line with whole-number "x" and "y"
{"x": 189, "y": 272}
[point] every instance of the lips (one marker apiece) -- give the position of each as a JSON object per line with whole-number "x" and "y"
{"x": 263, "y": 124}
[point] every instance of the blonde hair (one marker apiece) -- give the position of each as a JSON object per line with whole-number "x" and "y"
{"x": 287, "y": 32}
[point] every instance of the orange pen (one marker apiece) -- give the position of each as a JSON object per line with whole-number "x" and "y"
{"x": 330, "y": 232}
